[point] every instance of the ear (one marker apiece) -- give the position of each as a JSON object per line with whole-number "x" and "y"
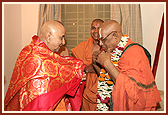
{"x": 115, "y": 34}
{"x": 48, "y": 35}
{"x": 117, "y": 37}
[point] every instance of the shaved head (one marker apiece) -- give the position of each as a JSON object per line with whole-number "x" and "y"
{"x": 110, "y": 25}
{"x": 50, "y": 27}
{"x": 52, "y": 33}
{"x": 111, "y": 33}
{"x": 97, "y": 20}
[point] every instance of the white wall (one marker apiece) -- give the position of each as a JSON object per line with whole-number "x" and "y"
{"x": 151, "y": 21}
{"x": 21, "y": 20}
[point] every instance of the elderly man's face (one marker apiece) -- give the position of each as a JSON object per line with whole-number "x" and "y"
{"x": 108, "y": 40}
{"x": 95, "y": 30}
{"x": 57, "y": 39}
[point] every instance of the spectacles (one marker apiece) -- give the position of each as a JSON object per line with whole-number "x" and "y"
{"x": 104, "y": 38}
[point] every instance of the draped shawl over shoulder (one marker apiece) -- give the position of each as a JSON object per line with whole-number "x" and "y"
{"x": 40, "y": 75}
{"x": 135, "y": 88}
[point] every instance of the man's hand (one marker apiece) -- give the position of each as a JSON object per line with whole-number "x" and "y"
{"x": 95, "y": 55}
{"x": 101, "y": 57}
{"x": 104, "y": 59}
{"x": 89, "y": 69}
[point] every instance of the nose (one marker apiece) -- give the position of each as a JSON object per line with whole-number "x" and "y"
{"x": 63, "y": 41}
{"x": 96, "y": 30}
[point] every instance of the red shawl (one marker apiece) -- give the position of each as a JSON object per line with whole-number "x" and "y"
{"x": 41, "y": 78}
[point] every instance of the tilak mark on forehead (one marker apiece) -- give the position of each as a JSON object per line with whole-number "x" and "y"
{"x": 100, "y": 33}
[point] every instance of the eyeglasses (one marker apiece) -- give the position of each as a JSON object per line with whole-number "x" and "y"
{"x": 104, "y": 38}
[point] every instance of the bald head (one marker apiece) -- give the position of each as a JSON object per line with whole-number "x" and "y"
{"x": 97, "y": 20}
{"x": 110, "y": 25}
{"x": 111, "y": 32}
{"x": 52, "y": 33}
{"x": 50, "y": 27}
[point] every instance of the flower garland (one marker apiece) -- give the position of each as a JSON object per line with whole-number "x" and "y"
{"x": 105, "y": 84}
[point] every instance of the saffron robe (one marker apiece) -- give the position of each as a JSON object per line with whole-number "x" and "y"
{"x": 135, "y": 88}
{"x": 42, "y": 78}
{"x": 84, "y": 51}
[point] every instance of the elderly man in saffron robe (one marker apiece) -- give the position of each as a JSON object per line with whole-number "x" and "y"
{"x": 84, "y": 52}
{"x": 42, "y": 80}
{"x": 134, "y": 88}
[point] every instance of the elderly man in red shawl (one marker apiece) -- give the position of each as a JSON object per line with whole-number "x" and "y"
{"x": 134, "y": 88}
{"x": 42, "y": 80}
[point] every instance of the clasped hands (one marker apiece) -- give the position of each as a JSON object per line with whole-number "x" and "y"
{"x": 98, "y": 57}
{"x": 101, "y": 57}
{"x": 104, "y": 59}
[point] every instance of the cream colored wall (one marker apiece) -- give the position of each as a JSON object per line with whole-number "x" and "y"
{"x": 151, "y": 21}
{"x": 12, "y": 38}
{"x": 29, "y": 22}
{"x": 20, "y": 24}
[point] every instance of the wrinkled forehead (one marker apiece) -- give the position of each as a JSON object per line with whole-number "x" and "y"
{"x": 103, "y": 32}
{"x": 105, "y": 29}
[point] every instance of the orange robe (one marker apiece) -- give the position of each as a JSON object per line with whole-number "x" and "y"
{"x": 84, "y": 52}
{"x": 41, "y": 79}
{"x": 135, "y": 88}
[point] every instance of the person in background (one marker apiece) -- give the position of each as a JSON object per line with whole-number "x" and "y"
{"x": 84, "y": 52}
{"x": 134, "y": 87}
{"x": 42, "y": 79}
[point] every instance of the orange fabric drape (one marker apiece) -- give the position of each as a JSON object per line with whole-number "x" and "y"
{"x": 84, "y": 52}
{"x": 135, "y": 88}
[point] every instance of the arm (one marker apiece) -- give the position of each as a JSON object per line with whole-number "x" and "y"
{"x": 96, "y": 68}
{"x": 112, "y": 70}
{"x": 96, "y": 65}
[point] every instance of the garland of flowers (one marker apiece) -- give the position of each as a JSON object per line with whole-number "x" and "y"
{"x": 105, "y": 84}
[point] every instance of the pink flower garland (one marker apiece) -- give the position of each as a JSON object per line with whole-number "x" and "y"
{"x": 103, "y": 101}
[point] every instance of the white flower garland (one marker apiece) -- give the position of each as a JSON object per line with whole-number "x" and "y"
{"x": 104, "y": 88}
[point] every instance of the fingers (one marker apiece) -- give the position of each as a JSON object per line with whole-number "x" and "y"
{"x": 108, "y": 51}
{"x": 94, "y": 56}
{"x": 96, "y": 53}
